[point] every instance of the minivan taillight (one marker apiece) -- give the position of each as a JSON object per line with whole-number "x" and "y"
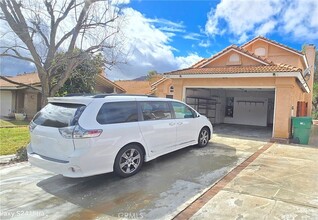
{"x": 32, "y": 125}
{"x": 79, "y": 132}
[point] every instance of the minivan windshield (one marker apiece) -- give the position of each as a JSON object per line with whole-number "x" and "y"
{"x": 59, "y": 115}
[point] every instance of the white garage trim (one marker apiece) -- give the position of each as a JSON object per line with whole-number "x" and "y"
{"x": 297, "y": 75}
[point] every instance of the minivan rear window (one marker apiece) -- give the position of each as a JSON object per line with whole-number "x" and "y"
{"x": 59, "y": 115}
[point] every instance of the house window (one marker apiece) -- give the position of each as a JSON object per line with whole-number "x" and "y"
{"x": 229, "y": 107}
{"x": 171, "y": 89}
{"x": 234, "y": 58}
{"x": 169, "y": 96}
{"x": 260, "y": 51}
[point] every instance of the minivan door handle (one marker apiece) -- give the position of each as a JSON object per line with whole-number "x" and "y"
{"x": 172, "y": 123}
{"x": 179, "y": 123}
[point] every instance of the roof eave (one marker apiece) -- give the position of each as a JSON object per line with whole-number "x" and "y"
{"x": 296, "y": 74}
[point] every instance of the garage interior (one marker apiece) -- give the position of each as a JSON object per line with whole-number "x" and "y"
{"x": 251, "y": 107}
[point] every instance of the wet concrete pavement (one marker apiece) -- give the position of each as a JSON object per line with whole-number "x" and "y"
{"x": 162, "y": 189}
{"x": 280, "y": 184}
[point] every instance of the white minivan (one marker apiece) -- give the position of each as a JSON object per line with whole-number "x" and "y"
{"x": 88, "y": 135}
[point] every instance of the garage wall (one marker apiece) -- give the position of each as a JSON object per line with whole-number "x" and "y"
{"x": 217, "y": 94}
{"x": 252, "y": 112}
{"x": 249, "y": 111}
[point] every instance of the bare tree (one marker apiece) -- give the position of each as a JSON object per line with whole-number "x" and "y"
{"x": 45, "y": 28}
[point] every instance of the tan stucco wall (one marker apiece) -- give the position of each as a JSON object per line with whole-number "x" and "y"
{"x": 224, "y": 61}
{"x": 277, "y": 55}
{"x": 310, "y": 55}
{"x": 163, "y": 89}
{"x": 287, "y": 95}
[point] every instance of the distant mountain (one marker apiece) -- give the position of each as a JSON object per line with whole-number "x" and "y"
{"x": 141, "y": 78}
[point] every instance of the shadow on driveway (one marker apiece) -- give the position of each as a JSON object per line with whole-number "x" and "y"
{"x": 161, "y": 189}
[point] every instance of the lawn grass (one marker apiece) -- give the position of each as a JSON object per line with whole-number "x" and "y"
{"x": 13, "y": 135}
{"x": 13, "y": 123}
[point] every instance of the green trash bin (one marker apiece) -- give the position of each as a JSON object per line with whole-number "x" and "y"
{"x": 301, "y": 129}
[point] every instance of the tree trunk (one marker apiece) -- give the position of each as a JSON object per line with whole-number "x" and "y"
{"x": 45, "y": 83}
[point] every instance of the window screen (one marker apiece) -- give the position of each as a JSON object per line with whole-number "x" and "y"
{"x": 117, "y": 112}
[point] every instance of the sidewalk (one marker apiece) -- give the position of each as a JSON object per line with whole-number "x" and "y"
{"x": 280, "y": 183}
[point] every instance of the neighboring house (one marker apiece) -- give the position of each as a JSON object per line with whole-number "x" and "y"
{"x": 148, "y": 87}
{"x": 25, "y": 96}
{"x": 262, "y": 83}
{"x": 136, "y": 87}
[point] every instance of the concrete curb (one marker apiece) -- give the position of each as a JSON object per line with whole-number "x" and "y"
{"x": 6, "y": 158}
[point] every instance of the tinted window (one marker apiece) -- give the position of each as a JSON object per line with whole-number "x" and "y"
{"x": 59, "y": 115}
{"x": 155, "y": 110}
{"x": 182, "y": 111}
{"x": 117, "y": 112}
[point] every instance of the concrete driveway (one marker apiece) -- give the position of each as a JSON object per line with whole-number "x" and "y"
{"x": 162, "y": 189}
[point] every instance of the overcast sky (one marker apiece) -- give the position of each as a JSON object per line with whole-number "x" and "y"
{"x": 169, "y": 35}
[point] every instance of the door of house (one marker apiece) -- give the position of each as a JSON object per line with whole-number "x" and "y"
{"x": 6, "y": 102}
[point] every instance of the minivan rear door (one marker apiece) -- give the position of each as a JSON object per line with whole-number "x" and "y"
{"x": 46, "y": 139}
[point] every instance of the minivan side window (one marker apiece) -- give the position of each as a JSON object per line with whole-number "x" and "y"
{"x": 155, "y": 110}
{"x": 182, "y": 111}
{"x": 117, "y": 112}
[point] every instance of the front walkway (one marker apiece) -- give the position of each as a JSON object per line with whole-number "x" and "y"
{"x": 280, "y": 184}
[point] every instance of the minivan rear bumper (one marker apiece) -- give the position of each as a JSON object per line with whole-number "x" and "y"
{"x": 75, "y": 167}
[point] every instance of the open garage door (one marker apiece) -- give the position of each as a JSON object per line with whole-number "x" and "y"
{"x": 243, "y": 106}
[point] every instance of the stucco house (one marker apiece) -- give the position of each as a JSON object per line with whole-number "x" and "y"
{"x": 25, "y": 97}
{"x": 149, "y": 86}
{"x": 261, "y": 83}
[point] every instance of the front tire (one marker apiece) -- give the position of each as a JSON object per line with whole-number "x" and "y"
{"x": 129, "y": 160}
{"x": 204, "y": 137}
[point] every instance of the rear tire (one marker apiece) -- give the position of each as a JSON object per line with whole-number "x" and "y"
{"x": 129, "y": 160}
{"x": 204, "y": 137}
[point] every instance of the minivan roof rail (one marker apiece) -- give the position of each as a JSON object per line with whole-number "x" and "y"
{"x": 116, "y": 94}
{"x": 79, "y": 94}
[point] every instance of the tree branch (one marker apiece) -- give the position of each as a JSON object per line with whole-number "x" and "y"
{"x": 17, "y": 54}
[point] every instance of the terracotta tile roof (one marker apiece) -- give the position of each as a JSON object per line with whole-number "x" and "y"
{"x": 26, "y": 78}
{"x": 33, "y": 79}
{"x": 135, "y": 87}
{"x": 273, "y": 42}
{"x": 198, "y": 63}
{"x": 236, "y": 69}
{"x": 234, "y": 47}
{"x": 162, "y": 79}
{"x": 104, "y": 81}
